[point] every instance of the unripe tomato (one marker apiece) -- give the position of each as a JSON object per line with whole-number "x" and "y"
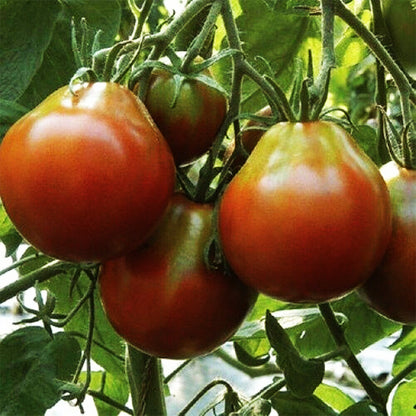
{"x": 391, "y": 290}
{"x": 307, "y": 218}
{"x": 400, "y": 18}
{"x": 191, "y": 121}
{"x": 163, "y": 299}
{"x": 86, "y": 176}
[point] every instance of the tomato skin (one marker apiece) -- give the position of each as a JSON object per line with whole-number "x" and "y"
{"x": 391, "y": 290}
{"x": 307, "y": 218}
{"x": 400, "y": 18}
{"x": 78, "y": 173}
{"x": 190, "y": 126}
{"x": 163, "y": 299}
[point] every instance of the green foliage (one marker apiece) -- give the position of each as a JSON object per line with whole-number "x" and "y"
{"x": 33, "y": 368}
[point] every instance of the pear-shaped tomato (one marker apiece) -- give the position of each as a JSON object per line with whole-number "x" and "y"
{"x": 391, "y": 290}
{"x": 308, "y": 216}
{"x": 163, "y": 299}
{"x": 86, "y": 175}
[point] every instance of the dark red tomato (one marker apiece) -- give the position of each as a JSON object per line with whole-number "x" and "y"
{"x": 400, "y": 18}
{"x": 307, "y": 218}
{"x": 190, "y": 123}
{"x": 86, "y": 177}
{"x": 163, "y": 299}
{"x": 391, "y": 290}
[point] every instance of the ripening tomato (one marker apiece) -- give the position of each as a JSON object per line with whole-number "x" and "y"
{"x": 400, "y": 18}
{"x": 191, "y": 121}
{"x": 163, "y": 299}
{"x": 86, "y": 176}
{"x": 308, "y": 217}
{"x": 391, "y": 290}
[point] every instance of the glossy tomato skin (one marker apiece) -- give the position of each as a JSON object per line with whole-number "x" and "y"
{"x": 163, "y": 299}
{"x": 190, "y": 123}
{"x": 308, "y": 217}
{"x": 391, "y": 290}
{"x": 86, "y": 177}
{"x": 400, "y": 18}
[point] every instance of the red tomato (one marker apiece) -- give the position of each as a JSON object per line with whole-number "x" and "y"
{"x": 163, "y": 299}
{"x": 190, "y": 123}
{"x": 391, "y": 290}
{"x": 308, "y": 217}
{"x": 85, "y": 177}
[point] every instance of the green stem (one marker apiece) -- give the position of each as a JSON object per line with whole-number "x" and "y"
{"x": 399, "y": 377}
{"x": 104, "y": 398}
{"x": 205, "y": 390}
{"x": 40, "y": 275}
{"x": 140, "y": 15}
{"x": 197, "y": 45}
{"x": 319, "y": 91}
{"x": 375, "y": 393}
{"x": 407, "y": 94}
{"x": 145, "y": 379}
{"x": 20, "y": 262}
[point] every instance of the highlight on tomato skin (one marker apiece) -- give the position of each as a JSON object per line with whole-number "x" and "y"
{"x": 163, "y": 299}
{"x": 308, "y": 216}
{"x": 391, "y": 290}
{"x": 86, "y": 175}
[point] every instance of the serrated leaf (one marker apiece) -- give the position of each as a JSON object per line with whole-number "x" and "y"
{"x": 286, "y": 404}
{"x": 302, "y": 375}
{"x": 23, "y": 45}
{"x": 33, "y": 367}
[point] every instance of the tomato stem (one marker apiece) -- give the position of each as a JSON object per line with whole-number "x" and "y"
{"x": 145, "y": 379}
{"x": 375, "y": 393}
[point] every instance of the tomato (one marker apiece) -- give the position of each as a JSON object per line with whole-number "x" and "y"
{"x": 391, "y": 290}
{"x": 190, "y": 123}
{"x": 86, "y": 177}
{"x": 400, "y": 18}
{"x": 163, "y": 299}
{"x": 308, "y": 217}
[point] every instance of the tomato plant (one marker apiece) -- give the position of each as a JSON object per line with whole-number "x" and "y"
{"x": 400, "y": 18}
{"x": 175, "y": 235}
{"x": 189, "y": 118}
{"x": 391, "y": 288}
{"x": 307, "y": 218}
{"x": 78, "y": 173}
{"x": 163, "y": 299}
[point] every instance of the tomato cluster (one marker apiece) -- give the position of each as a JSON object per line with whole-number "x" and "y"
{"x": 88, "y": 176}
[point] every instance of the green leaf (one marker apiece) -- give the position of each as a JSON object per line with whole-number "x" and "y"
{"x": 108, "y": 348}
{"x": 363, "y": 408}
{"x": 8, "y": 234}
{"x": 32, "y": 368}
{"x": 246, "y": 358}
{"x": 286, "y": 404}
{"x": 404, "y": 402}
{"x": 26, "y": 28}
{"x": 302, "y": 375}
{"x": 334, "y": 397}
{"x": 405, "y": 356}
{"x": 115, "y": 387}
{"x": 366, "y": 137}
{"x": 58, "y": 65}
{"x": 10, "y": 112}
